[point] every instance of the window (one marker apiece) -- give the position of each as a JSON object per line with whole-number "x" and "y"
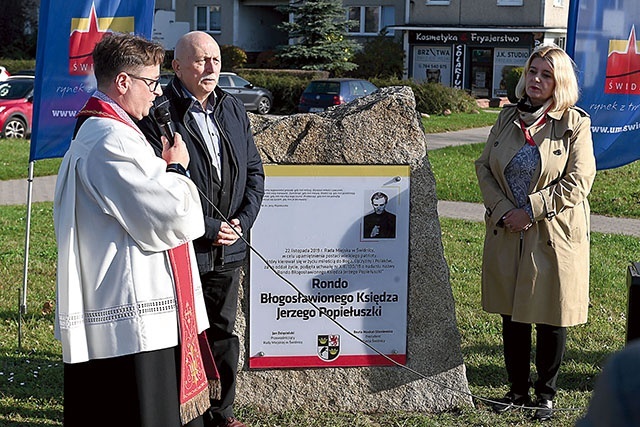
{"x": 224, "y": 81}
{"x": 438, "y": 2}
{"x": 208, "y": 18}
{"x": 510, "y": 2}
{"x": 370, "y": 19}
{"x": 561, "y": 42}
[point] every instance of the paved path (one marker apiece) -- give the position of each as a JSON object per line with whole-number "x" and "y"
{"x": 462, "y": 137}
{"x": 14, "y": 192}
{"x": 599, "y": 223}
{"x": 475, "y": 211}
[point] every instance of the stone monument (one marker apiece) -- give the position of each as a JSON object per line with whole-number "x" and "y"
{"x": 380, "y": 129}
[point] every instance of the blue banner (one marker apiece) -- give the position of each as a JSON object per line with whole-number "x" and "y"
{"x": 67, "y": 33}
{"x": 602, "y": 39}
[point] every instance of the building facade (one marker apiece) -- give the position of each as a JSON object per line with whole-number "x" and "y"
{"x": 472, "y": 44}
{"x": 252, "y": 24}
{"x": 466, "y": 44}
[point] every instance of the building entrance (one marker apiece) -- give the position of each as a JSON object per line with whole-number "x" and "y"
{"x": 481, "y": 76}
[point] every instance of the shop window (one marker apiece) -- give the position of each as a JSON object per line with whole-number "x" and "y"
{"x": 510, "y": 2}
{"x": 481, "y": 72}
{"x": 208, "y": 18}
{"x": 369, "y": 20}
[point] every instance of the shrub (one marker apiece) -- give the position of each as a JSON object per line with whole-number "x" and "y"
{"x": 511, "y": 81}
{"x": 15, "y": 65}
{"x": 267, "y": 59}
{"x": 168, "y": 58}
{"x": 434, "y": 98}
{"x": 286, "y": 86}
{"x": 232, "y": 57}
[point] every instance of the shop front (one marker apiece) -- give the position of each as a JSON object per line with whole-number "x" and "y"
{"x": 475, "y": 60}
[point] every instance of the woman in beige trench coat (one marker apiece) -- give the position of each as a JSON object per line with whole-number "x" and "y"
{"x": 535, "y": 173}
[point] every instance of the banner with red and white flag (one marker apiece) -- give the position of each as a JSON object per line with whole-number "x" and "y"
{"x": 67, "y": 33}
{"x": 603, "y": 40}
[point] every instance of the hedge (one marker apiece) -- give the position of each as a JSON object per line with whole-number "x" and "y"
{"x": 287, "y": 86}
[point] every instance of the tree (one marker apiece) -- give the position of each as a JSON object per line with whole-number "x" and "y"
{"x": 18, "y": 29}
{"x": 319, "y": 29}
{"x": 380, "y": 57}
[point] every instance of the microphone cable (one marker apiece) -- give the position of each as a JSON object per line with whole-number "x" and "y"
{"x": 351, "y": 334}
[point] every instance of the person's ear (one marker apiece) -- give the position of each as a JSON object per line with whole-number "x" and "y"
{"x": 175, "y": 64}
{"x": 122, "y": 82}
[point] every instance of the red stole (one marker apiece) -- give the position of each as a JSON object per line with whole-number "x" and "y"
{"x": 199, "y": 378}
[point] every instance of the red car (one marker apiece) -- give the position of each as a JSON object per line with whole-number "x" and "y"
{"x": 16, "y": 106}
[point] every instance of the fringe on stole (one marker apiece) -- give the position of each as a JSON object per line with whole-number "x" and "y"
{"x": 195, "y": 407}
{"x": 200, "y": 403}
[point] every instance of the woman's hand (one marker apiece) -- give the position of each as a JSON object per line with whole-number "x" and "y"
{"x": 516, "y": 220}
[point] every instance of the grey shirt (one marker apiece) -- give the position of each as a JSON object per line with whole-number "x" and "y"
{"x": 208, "y": 129}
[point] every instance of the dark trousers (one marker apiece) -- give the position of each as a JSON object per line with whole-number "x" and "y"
{"x": 550, "y": 346}
{"x": 125, "y": 391}
{"x": 220, "y": 289}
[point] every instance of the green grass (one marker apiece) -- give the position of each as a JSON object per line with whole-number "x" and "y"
{"x": 459, "y": 121}
{"x": 615, "y": 192}
{"x": 15, "y": 152}
{"x": 33, "y": 397}
{"x": 31, "y": 379}
{"x": 455, "y": 172}
{"x": 15, "y": 161}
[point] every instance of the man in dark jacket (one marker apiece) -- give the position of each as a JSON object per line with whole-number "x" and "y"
{"x": 226, "y": 167}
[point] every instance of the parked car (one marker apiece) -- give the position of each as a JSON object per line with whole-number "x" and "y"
{"x": 255, "y": 98}
{"x": 30, "y": 72}
{"x": 3, "y": 74}
{"x": 165, "y": 78}
{"x": 322, "y": 94}
{"x": 16, "y": 106}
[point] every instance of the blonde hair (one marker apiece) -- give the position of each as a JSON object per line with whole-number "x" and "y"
{"x": 566, "y": 91}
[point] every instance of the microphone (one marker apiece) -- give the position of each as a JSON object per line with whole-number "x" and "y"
{"x": 163, "y": 117}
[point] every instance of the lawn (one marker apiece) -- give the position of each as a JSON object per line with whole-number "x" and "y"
{"x": 459, "y": 121}
{"x": 616, "y": 192}
{"x": 15, "y": 161}
{"x": 15, "y": 152}
{"x": 31, "y": 378}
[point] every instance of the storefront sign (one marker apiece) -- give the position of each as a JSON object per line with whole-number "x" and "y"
{"x": 432, "y": 64}
{"x": 435, "y": 37}
{"x": 458, "y": 66}
{"x": 340, "y": 235}
{"x": 504, "y": 60}
{"x": 497, "y": 39}
{"x": 475, "y": 38}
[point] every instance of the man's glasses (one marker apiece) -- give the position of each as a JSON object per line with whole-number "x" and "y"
{"x": 151, "y": 83}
